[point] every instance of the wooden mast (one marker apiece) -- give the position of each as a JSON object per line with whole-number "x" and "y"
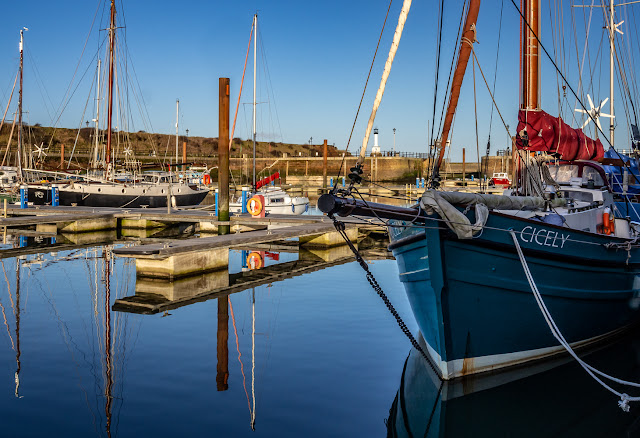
{"x": 468, "y": 38}
{"x": 112, "y": 40}
{"x": 530, "y": 55}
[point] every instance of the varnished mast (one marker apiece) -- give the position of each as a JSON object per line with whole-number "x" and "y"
{"x": 468, "y": 38}
{"x": 112, "y": 40}
{"x": 530, "y": 55}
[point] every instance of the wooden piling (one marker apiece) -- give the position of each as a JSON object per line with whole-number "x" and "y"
{"x": 184, "y": 155}
{"x": 324, "y": 165}
{"x": 222, "y": 369}
{"x": 464, "y": 176}
{"x": 223, "y": 154}
{"x": 61, "y": 155}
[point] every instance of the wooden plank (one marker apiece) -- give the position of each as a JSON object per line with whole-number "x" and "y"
{"x": 49, "y": 219}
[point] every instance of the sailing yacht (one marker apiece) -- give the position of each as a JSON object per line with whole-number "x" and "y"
{"x": 105, "y": 189}
{"x": 501, "y": 280}
{"x": 276, "y": 200}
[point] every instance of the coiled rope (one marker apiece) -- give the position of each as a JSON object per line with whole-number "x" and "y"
{"x": 624, "y": 398}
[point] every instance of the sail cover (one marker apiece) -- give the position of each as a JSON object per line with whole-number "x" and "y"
{"x": 541, "y": 132}
{"x": 267, "y": 180}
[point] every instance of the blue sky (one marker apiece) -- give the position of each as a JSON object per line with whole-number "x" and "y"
{"x": 317, "y": 54}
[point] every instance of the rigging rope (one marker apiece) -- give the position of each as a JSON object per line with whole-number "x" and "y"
{"x": 385, "y": 75}
{"x": 624, "y": 398}
{"x": 384, "y": 24}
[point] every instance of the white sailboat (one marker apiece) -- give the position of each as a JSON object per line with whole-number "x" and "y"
{"x": 276, "y": 200}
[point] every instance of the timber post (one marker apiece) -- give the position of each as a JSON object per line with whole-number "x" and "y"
{"x": 324, "y": 165}
{"x": 223, "y": 155}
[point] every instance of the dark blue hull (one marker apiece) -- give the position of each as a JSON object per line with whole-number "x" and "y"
{"x": 476, "y": 309}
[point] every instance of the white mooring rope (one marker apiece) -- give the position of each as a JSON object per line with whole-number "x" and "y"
{"x": 624, "y": 398}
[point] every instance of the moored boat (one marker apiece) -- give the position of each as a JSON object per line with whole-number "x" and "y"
{"x": 500, "y": 280}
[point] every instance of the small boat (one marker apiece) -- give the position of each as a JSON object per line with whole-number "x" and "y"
{"x": 276, "y": 200}
{"x": 500, "y": 179}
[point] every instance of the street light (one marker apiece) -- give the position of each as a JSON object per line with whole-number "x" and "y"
{"x": 394, "y": 142}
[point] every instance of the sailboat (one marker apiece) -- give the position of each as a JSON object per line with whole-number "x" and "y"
{"x": 106, "y": 189}
{"x": 501, "y": 280}
{"x": 274, "y": 199}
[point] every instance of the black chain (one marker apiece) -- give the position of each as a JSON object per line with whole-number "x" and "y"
{"x": 340, "y": 227}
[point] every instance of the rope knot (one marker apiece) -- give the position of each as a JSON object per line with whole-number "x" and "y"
{"x": 624, "y": 402}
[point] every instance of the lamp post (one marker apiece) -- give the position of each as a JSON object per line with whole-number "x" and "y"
{"x": 394, "y": 142}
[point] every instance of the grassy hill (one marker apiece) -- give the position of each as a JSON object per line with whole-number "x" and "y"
{"x": 145, "y": 145}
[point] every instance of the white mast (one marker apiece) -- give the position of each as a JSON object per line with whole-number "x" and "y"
{"x": 20, "y": 105}
{"x": 255, "y": 42}
{"x": 611, "y": 73}
{"x": 177, "y": 114}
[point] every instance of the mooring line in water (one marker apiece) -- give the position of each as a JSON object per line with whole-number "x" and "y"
{"x": 624, "y": 398}
{"x": 374, "y": 284}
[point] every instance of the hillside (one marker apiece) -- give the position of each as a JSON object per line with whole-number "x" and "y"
{"x": 148, "y": 145}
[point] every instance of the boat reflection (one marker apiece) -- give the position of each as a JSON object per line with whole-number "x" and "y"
{"x": 551, "y": 398}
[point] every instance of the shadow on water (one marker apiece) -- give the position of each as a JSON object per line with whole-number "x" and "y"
{"x": 550, "y": 398}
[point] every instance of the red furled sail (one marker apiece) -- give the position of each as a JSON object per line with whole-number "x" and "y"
{"x": 539, "y": 131}
{"x": 267, "y": 180}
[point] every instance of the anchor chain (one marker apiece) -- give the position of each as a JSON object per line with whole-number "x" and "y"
{"x": 340, "y": 227}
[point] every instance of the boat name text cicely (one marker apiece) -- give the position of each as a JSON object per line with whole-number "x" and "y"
{"x": 543, "y": 237}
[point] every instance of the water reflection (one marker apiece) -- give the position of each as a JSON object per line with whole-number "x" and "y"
{"x": 550, "y": 398}
{"x": 101, "y": 352}
{"x": 85, "y": 368}
{"x": 246, "y": 269}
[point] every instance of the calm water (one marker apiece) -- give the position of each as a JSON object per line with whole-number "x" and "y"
{"x": 316, "y": 355}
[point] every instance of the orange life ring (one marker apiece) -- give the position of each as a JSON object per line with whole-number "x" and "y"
{"x": 254, "y": 205}
{"x": 207, "y": 179}
{"x": 255, "y": 261}
{"x": 608, "y": 221}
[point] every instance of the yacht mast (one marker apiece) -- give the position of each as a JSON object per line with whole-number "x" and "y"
{"x": 177, "y": 115}
{"x": 530, "y": 60}
{"x": 255, "y": 42}
{"x": 20, "y": 105}
{"x": 612, "y": 29}
{"x": 112, "y": 40}
{"x": 468, "y": 38}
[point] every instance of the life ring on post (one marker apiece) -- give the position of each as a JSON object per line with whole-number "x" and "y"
{"x": 206, "y": 179}
{"x": 255, "y": 206}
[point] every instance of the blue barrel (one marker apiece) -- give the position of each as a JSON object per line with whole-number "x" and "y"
{"x": 55, "y": 195}
{"x": 417, "y": 182}
{"x": 215, "y": 207}
{"x": 343, "y": 181}
{"x": 23, "y": 241}
{"x": 422, "y": 183}
{"x": 245, "y": 198}
{"x": 331, "y": 182}
{"x": 24, "y": 192}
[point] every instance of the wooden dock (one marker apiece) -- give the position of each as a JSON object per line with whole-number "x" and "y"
{"x": 169, "y": 255}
